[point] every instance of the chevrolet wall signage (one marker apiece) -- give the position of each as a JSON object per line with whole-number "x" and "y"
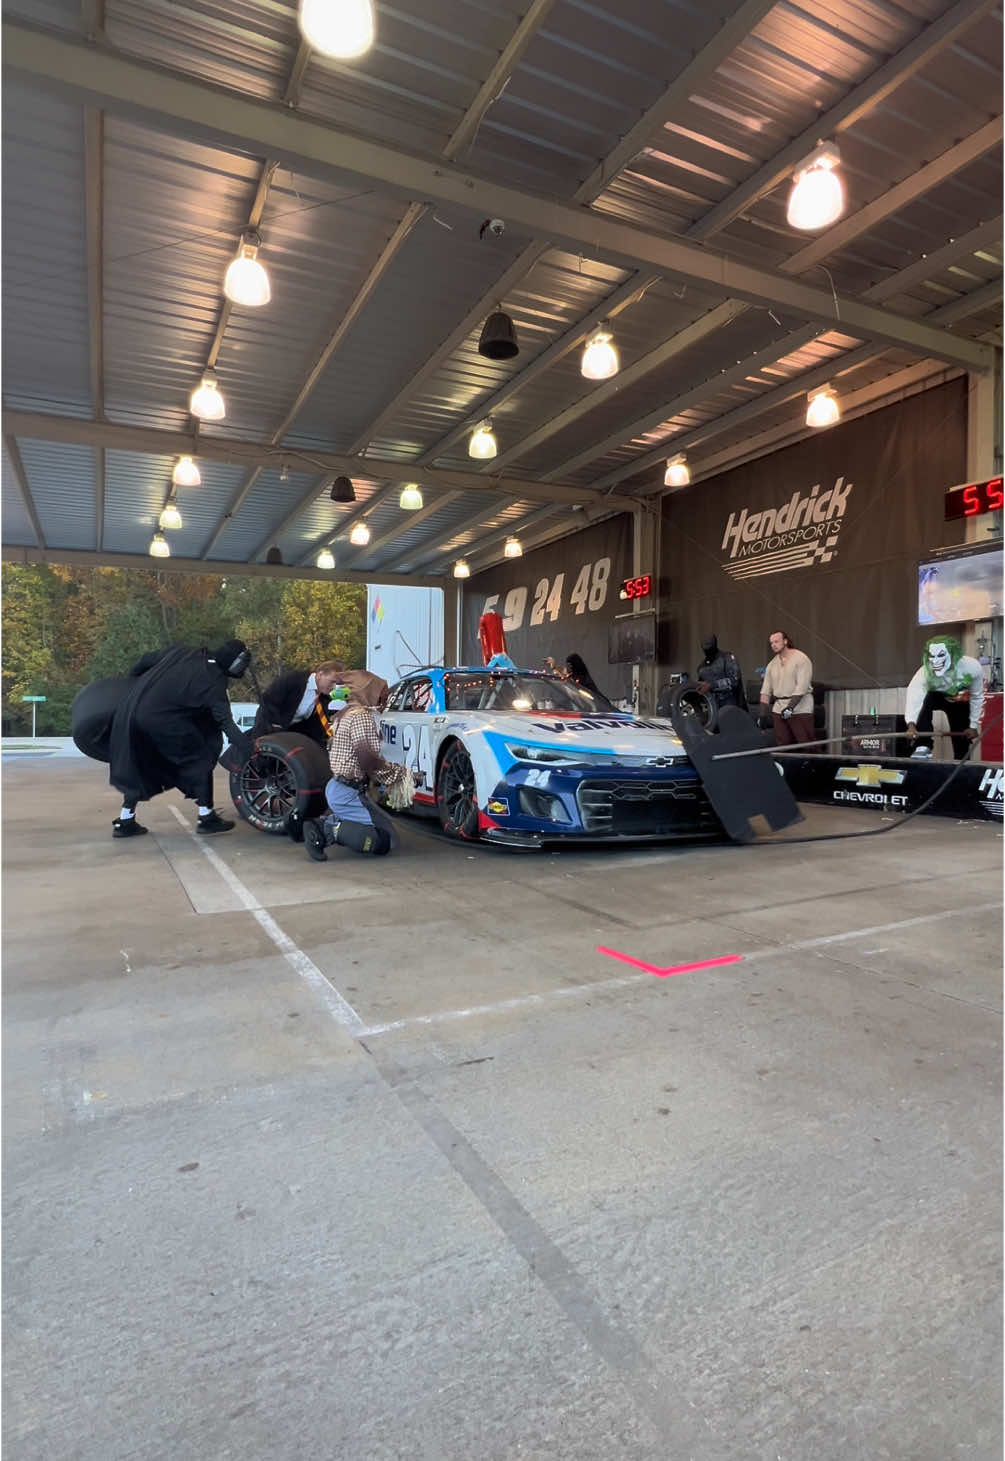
{"x": 873, "y": 776}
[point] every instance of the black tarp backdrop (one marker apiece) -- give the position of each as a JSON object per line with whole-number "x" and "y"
{"x": 558, "y": 600}
{"x": 823, "y": 540}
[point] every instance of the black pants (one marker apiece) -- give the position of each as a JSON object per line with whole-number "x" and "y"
{"x": 958, "y": 715}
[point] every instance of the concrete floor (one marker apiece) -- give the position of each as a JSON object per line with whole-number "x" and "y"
{"x": 382, "y": 1159}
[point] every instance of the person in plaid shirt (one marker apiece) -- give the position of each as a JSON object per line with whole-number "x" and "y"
{"x": 355, "y": 757}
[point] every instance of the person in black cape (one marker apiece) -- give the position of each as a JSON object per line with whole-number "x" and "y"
{"x": 169, "y": 729}
{"x": 719, "y": 675}
{"x": 577, "y": 672}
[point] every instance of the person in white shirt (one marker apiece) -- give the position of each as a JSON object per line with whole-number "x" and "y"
{"x": 788, "y": 689}
{"x": 952, "y": 682}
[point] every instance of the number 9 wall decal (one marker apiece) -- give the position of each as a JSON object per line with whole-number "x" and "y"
{"x": 589, "y": 593}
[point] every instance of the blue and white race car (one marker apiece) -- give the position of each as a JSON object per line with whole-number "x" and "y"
{"x": 524, "y": 758}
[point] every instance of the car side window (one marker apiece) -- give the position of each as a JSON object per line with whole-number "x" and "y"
{"x": 418, "y": 696}
{"x": 396, "y": 696}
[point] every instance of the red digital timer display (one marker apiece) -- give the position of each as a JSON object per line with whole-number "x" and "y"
{"x": 637, "y": 588}
{"x": 972, "y": 498}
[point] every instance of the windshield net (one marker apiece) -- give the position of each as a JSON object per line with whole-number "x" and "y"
{"x": 488, "y": 691}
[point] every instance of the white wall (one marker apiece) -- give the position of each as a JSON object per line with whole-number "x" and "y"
{"x": 404, "y": 629}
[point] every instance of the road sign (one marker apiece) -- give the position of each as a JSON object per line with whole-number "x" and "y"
{"x": 35, "y": 701}
{"x": 32, "y": 697}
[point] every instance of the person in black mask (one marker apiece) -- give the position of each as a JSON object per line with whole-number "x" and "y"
{"x": 719, "y": 675}
{"x": 168, "y": 730}
{"x": 577, "y": 672}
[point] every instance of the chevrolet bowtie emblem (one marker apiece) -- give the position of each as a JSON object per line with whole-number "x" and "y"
{"x": 870, "y": 775}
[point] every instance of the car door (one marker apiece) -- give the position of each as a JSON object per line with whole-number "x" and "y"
{"x": 405, "y": 726}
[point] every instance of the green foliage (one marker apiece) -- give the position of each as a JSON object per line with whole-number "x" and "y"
{"x": 64, "y": 627}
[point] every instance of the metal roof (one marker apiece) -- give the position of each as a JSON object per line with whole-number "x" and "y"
{"x": 640, "y": 158}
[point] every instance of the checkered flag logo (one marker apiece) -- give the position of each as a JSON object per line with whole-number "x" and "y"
{"x": 822, "y": 552}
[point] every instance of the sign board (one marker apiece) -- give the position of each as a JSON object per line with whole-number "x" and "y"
{"x": 33, "y": 697}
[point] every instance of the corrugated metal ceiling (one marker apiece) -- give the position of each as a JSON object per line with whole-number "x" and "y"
{"x": 346, "y": 360}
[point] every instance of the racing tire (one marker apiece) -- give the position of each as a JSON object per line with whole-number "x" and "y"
{"x": 689, "y": 700}
{"x": 286, "y": 777}
{"x": 456, "y": 799}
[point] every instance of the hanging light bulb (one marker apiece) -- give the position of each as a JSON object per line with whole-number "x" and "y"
{"x": 339, "y": 28}
{"x": 678, "y": 473}
{"x": 326, "y": 558}
{"x": 483, "y": 444}
{"x": 171, "y": 518}
{"x": 822, "y": 407}
{"x": 360, "y": 535}
{"x": 513, "y": 548}
{"x": 206, "y": 401}
{"x": 461, "y": 569}
{"x": 159, "y": 547}
{"x": 411, "y": 498}
{"x": 817, "y": 196}
{"x": 186, "y": 473}
{"x": 284, "y": 473}
{"x": 600, "y": 357}
{"x": 246, "y": 281}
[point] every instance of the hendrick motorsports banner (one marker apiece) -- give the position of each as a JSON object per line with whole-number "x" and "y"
{"x": 558, "y": 600}
{"x": 976, "y": 792}
{"x": 823, "y": 540}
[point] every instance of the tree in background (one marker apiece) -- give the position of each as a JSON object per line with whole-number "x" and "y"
{"x": 323, "y": 621}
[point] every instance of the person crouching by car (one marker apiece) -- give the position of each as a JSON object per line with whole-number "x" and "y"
{"x": 355, "y": 758}
{"x": 298, "y": 701}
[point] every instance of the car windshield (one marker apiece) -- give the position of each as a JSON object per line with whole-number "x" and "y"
{"x": 495, "y": 691}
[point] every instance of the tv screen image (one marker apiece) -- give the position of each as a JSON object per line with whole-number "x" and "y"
{"x": 960, "y": 587}
{"x": 632, "y": 640}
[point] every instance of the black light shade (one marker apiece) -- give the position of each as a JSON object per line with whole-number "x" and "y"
{"x": 343, "y": 490}
{"x": 498, "y": 341}
{"x": 274, "y": 556}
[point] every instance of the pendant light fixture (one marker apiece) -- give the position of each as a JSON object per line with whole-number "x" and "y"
{"x": 326, "y": 558}
{"x": 498, "y": 337}
{"x": 600, "y": 356}
{"x": 186, "y": 473}
{"x": 159, "y": 547}
{"x": 274, "y": 557}
{"x": 205, "y": 402}
{"x": 343, "y": 490}
{"x": 410, "y": 499}
{"x": 822, "y": 408}
{"x": 246, "y": 281}
{"x": 461, "y": 569}
{"x": 513, "y": 548}
{"x": 483, "y": 444}
{"x": 360, "y": 535}
{"x": 170, "y": 518}
{"x": 342, "y": 29}
{"x": 817, "y": 196}
{"x": 678, "y": 473}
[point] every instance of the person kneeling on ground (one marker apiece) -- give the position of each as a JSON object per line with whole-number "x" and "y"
{"x": 952, "y": 682}
{"x": 354, "y": 754}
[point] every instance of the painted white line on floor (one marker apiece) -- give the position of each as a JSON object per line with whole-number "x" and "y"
{"x": 338, "y": 1007}
{"x": 528, "y": 1000}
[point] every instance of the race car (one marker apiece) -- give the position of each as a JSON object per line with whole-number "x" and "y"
{"x": 524, "y": 758}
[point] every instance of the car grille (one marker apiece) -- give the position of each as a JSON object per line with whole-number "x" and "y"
{"x": 645, "y": 808}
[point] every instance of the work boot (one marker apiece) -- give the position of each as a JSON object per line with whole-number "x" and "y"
{"x": 127, "y": 827}
{"x": 317, "y": 836}
{"x": 214, "y": 823}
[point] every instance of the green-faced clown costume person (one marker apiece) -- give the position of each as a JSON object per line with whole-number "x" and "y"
{"x": 950, "y": 681}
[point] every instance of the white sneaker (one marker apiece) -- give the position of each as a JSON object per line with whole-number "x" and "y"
{"x": 921, "y": 753}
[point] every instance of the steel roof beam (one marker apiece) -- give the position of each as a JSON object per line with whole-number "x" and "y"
{"x": 427, "y": 553}
{"x": 409, "y": 520}
{"x": 43, "y": 427}
{"x": 136, "y": 88}
{"x": 224, "y": 566}
{"x": 929, "y": 265}
{"x": 21, "y": 478}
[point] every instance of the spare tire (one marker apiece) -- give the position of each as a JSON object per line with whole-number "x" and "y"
{"x": 92, "y": 713}
{"x": 287, "y": 774}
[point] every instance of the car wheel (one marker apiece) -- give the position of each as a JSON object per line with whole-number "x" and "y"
{"x": 456, "y": 798}
{"x": 689, "y": 700}
{"x": 285, "y": 777}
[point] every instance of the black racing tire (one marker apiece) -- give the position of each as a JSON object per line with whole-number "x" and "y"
{"x": 456, "y": 799}
{"x": 689, "y": 700}
{"x": 287, "y": 774}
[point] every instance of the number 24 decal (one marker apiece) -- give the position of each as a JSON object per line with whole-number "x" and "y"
{"x": 588, "y": 592}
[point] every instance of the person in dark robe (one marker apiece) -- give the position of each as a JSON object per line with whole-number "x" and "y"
{"x": 298, "y": 701}
{"x": 719, "y": 675}
{"x": 168, "y": 731}
{"x": 577, "y": 672}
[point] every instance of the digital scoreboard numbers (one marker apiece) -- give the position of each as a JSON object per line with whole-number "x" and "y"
{"x": 637, "y": 588}
{"x": 971, "y": 499}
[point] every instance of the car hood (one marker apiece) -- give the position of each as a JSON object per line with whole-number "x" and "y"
{"x": 616, "y": 734}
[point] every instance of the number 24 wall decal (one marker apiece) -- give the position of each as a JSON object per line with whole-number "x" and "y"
{"x": 589, "y": 592}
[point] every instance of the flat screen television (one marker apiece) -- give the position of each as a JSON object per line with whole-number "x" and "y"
{"x": 632, "y": 640}
{"x": 960, "y": 586}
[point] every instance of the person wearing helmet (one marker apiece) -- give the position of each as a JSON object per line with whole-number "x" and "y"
{"x": 168, "y": 730}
